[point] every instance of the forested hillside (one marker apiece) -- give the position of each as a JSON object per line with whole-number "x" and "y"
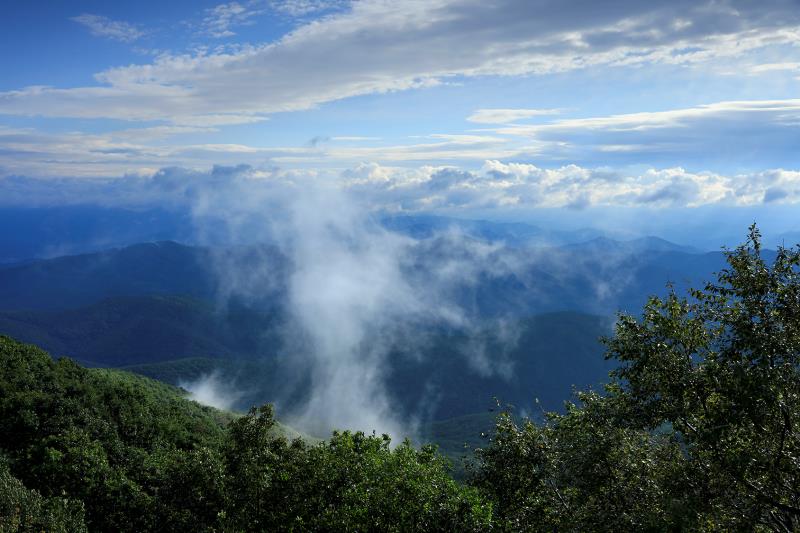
{"x": 110, "y": 451}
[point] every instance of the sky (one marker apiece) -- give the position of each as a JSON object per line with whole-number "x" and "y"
{"x": 464, "y": 107}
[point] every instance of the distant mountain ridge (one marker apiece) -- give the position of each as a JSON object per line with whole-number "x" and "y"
{"x": 640, "y": 245}
{"x": 48, "y": 232}
{"x": 598, "y": 276}
{"x": 54, "y": 231}
{"x": 510, "y": 233}
{"x": 128, "y": 330}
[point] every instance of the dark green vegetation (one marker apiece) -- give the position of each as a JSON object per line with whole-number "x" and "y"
{"x": 118, "y": 452}
{"x": 698, "y": 430}
{"x": 26, "y": 510}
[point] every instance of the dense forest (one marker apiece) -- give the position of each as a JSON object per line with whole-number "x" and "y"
{"x": 697, "y": 429}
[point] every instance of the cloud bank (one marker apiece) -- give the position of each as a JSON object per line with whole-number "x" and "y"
{"x": 495, "y": 186}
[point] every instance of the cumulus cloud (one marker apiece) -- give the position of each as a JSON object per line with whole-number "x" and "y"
{"x": 111, "y": 29}
{"x": 379, "y": 46}
{"x": 496, "y": 186}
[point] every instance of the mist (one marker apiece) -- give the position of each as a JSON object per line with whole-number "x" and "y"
{"x": 212, "y": 390}
{"x": 355, "y": 294}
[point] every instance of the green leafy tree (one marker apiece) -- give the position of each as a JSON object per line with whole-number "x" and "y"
{"x": 352, "y": 482}
{"x": 26, "y": 510}
{"x": 579, "y": 471}
{"x": 699, "y": 428}
{"x": 722, "y": 370}
{"x": 137, "y": 455}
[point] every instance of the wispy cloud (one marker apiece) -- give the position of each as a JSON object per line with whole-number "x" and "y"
{"x": 212, "y": 390}
{"x": 735, "y": 135}
{"x": 771, "y": 67}
{"x": 394, "y": 46}
{"x": 111, "y": 29}
{"x": 220, "y": 20}
{"x": 505, "y": 116}
{"x": 301, "y": 8}
{"x": 730, "y": 132}
{"x": 743, "y": 133}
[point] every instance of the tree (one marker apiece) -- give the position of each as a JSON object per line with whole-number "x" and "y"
{"x": 27, "y": 510}
{"x": 722, "y": 370}
{"x": 698, "y": 428}
{"x": 352, "y": 482}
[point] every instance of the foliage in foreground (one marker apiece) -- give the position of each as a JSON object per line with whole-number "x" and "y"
{"x": 138, "y": 457}
{"x": 698, "y": 430}
{"x": 26, "y": 510}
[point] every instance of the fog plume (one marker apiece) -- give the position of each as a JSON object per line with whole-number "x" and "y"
{"x": 355, "y": 293}
{"x": 212, "y": 390}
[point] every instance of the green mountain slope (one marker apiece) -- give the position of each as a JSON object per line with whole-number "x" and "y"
{"x": 106, "y": 450}
{"x": 178, "y": 339}
{"x": 97, "y": 435}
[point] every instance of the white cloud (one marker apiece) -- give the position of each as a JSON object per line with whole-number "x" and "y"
{"x": 724, "y": 135}
{"x": 779, "y": 111}
{"x": 771, "y": 67}
{"x": 497, "y": 185}
{"x": 212, "y": 390}
{"x": 300, "y": 8}
{"x": 112, "y": 29}
{"x": 521, "y": 185}
{"x": 379, "y": 46}
{"x": 734, "y": 132}
{"x": 221, "y": 19}
{"x": 33, "y": 153}
{"x": 505, "y": 116}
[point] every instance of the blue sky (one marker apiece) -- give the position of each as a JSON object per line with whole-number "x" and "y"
{"x": 451, "y": 105}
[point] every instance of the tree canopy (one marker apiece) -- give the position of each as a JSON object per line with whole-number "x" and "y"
{"x": 698, "y": 429}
